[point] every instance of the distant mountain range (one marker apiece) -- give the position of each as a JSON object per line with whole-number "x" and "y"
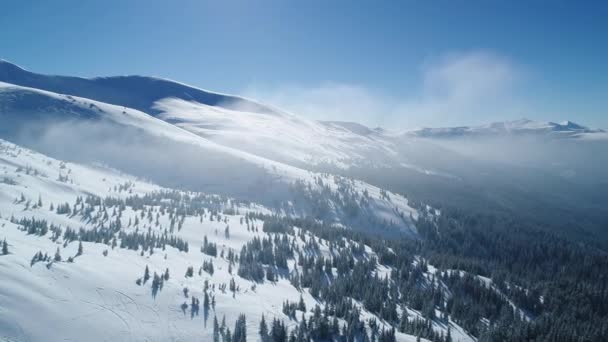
{"x": 151, "y": 95}
{"x": 565, "y": 129}
{"x": 254, "y": 137}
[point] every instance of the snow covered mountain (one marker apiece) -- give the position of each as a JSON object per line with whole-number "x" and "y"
{"x": 238, "y": 147}
{"x": 84, "y": 130}
{"x": 240, "y": 124}
{"x": 94, "y": 254}
{"x": 140, "y": 209}
{"x": 522, "y": 127}
{"x": 267, "y": 132}
{"x": 135, "y": 92}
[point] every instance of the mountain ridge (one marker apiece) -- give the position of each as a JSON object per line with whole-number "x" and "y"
{"x": 84, "y": 130}
{"x": 514, "y": 127}
{"x": 167, "y": 88}
{"x": 141, "y": 91}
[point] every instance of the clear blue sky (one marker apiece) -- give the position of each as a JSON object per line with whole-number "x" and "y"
{"x": 407, "y": 63}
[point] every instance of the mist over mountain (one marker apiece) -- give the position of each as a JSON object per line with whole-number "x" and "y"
{"x": 455, "y": 234}
{"x": 502, "y": 166}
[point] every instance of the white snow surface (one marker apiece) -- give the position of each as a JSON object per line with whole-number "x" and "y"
{"x": 193, "y": 140}
{"x": 282, "y": 137}
{"x": 96, "y": 298}
{"x": 216, "y": 168}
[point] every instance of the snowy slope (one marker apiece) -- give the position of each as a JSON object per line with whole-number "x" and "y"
{"x": 284, "y": 137}
{"x": 185, "y": 137}
{"x": 135, "y": 92}
{"x": 134, "y": 139}
{"x": 85, "y": 130}
{"x": 95, "y": 297}
{"x": 228, "y": 120}
{"x": 247, "y": 126}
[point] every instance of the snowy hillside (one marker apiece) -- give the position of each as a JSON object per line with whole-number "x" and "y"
{"x": 142, "y": 209}
{"x": 79, "y": 240}
{"x": 227, "y": 120}
{"x": 89, "y": 131}
{"x": 135, "y": 92}
{"x": 272, "y": 134}
{"x": 282, "y": 137}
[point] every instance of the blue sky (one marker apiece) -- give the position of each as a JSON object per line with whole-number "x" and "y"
{"x": 392, "y": 63}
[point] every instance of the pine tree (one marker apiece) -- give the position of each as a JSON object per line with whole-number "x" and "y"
{"x": 263, "y": 330}
{"x": 156, "y": 284}
{"x": 228, "y": 336}
{"x": 80, "y": 250}
{"x": 57, "y": 255}
{"x": 270, "y": 274}
{"x": 206, "y": 301}
{"x": 146, "y": 274}
{"x": 4, "y": 247}
{"x": 216, "y": 330}
{"x": 240, "y": 329}
{"x": 189, "y": 272}
{"x": 278, "y": 331}
{"x": 301, "y": 305}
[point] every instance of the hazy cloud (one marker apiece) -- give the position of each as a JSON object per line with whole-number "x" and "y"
{"x": 326, "y": 101}
{"x": 456, "y": 88}
{"x": 465, "y": 88}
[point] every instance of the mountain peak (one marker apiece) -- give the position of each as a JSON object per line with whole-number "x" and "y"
{"x": 572, "y": 125}
{"x": 137, "y": 92}
{"x": 350, "y": 126}
{"x": 7, "y": 67}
